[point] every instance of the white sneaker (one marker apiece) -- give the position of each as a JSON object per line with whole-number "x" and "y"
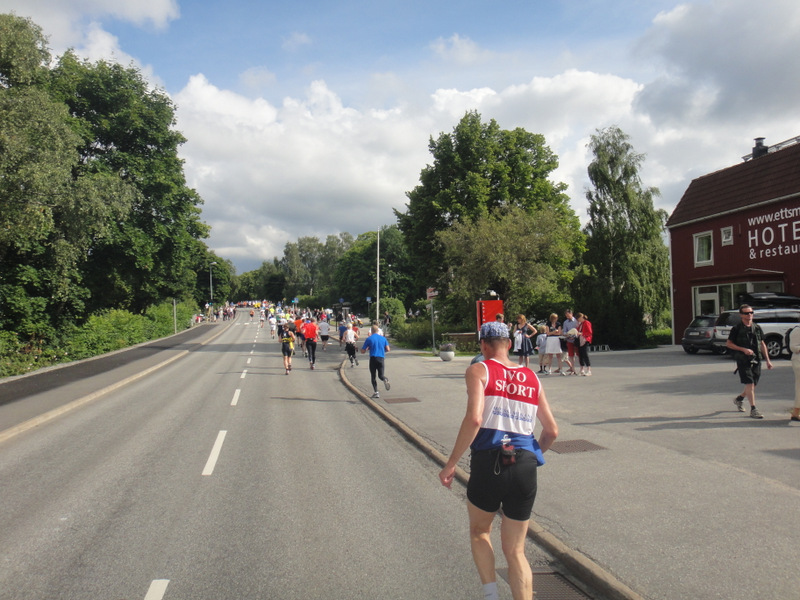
{"x": 376, "y": 395}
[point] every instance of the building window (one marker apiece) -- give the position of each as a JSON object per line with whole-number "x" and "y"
{"x": 726, "y": 236}
{"x": 703, "y": 249}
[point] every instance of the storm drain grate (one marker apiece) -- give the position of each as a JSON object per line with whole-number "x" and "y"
{"x": 571, "y": 446}
{"x": 399, "y": 400}
{"x": 550, "y": 586}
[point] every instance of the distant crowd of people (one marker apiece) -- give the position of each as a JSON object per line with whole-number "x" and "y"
{"x": 564, "y": 342}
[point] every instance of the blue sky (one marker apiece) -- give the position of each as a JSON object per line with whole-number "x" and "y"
{"x": 312, "y": 118}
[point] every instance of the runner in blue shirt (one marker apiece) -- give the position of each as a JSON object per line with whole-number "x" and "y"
{"x": 378, "y": 346}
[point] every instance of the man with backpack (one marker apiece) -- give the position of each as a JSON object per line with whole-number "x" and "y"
{"x": 746, "y": 339}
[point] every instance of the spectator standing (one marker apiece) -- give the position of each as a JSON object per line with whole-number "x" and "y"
{"x": 794, "y": 348}
{"x": 553, "y": 347}
{"x": 585, "y": 335}
{"x": 570, "y": 323}
{"x": 541, "y": 346}
{"x": 523, "y": 346}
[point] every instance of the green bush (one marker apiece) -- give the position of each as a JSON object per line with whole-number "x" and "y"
{"x": 104, "y": 332}
{"x": 659, "y": 337}
{"x": 413, "y": 334}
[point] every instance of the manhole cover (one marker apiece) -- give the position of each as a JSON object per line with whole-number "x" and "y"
{"x": 548, "y": 585}
{"x": 399, "y": 400}
{"x": 570, "y": 446}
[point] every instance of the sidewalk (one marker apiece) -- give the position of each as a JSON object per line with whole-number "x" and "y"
{"x": 677, "y": 495}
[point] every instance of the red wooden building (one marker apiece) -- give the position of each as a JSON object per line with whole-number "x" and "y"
{"x": 737, "y": 231}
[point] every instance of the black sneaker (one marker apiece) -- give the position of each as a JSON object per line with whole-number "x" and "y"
{"x": 739, "y": 402}
{"x": 755, "y": 414}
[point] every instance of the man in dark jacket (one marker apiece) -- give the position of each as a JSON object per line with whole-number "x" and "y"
{"x": 747, "y": 340}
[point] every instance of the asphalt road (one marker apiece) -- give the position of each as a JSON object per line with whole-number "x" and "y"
{"x": 217, "y": 476}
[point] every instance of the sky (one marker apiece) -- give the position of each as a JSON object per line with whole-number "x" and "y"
{"x": 312, "y": 118}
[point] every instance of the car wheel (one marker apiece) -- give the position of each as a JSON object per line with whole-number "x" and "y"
{"x": 774, "y": 346}
{"x": 690, "y": 349}
{"x": 718, "y": 350}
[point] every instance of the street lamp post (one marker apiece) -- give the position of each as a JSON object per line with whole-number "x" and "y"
{"x": 211, "y": 281}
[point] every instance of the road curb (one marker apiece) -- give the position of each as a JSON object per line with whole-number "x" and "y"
{"x": 579, "y": 565}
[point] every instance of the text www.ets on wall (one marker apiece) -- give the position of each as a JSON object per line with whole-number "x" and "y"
{"x": 775, "y": 233}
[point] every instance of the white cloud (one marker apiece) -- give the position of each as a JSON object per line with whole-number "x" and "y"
{"x": 723, "y": 60}
{"x": 692, "y": 92}
{"x": 257, "y": 78}
{"x": 296, "y": 41}
{"x": 462, "y": 51}
{"x": 311, "y": 166}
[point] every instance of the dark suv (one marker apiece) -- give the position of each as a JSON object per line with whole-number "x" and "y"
{"x": 770, "y": 300}
{"x": 775, "y": 322}
{"x": 698, "y": 335}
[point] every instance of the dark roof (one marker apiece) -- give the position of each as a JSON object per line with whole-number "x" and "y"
{"x": 757, "y": 181}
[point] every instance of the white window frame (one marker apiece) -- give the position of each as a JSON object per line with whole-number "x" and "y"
{"x": 726, "y": 236}
{"x": 700, "y": 236}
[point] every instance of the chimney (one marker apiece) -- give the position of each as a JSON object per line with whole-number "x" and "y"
{"x": 760, "y": 149}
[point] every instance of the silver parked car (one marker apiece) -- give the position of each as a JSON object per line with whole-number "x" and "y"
{"x": 775, "y": 322}
{"x": 699, "y": 334}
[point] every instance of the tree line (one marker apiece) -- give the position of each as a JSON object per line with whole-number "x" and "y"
{"x": 96, "y": 216}
{"x": 95, "y": 212}
{"x": 486, "y": 216}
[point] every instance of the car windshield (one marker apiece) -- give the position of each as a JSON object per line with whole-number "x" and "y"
{"x": 703, "y": 322}
{"x": 725, "y": 319}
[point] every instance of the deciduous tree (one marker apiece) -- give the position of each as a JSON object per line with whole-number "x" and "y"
{"x": 477, "y": 169}
{"x": 625, "y": 283}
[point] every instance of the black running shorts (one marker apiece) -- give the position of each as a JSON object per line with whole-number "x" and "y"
{"x": 513, "y": 488}
{"x": 749, "y": 371}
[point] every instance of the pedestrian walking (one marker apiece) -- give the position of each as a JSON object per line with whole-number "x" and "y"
{"x": 378, "y": 346}
{"x": 746, "y": 339}
{"x": 504, "y": 401}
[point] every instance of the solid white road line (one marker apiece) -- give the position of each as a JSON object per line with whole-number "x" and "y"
{"x": 157, "y": 589}
{"x": 235, "y": 400}
{"x": 212, "y": 460}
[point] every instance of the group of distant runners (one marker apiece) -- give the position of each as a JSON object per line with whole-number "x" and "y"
{"x": 307, "y": 331}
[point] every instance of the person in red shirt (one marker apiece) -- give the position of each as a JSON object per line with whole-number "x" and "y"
{"x": 311, "y": 334}
{"x": 584, "y": 341}
{"x": 299, "y": 323}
